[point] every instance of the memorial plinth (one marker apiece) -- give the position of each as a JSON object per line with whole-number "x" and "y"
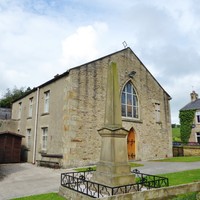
{"x": 113, "y": 169}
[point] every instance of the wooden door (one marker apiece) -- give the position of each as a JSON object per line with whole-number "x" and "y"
{"x": 131, "y": 144}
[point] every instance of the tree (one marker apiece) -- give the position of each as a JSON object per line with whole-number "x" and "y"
{"x": 12, "y": 95}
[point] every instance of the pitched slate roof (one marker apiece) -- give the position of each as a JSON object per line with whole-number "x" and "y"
{"x": 194, "y": 105}
{"x": 67, "y": 72}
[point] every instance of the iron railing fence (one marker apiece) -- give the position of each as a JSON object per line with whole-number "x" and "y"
{"x": 81, "y": 182}
{"x": 150, "y": 181}
{"x": 180, "y": 144}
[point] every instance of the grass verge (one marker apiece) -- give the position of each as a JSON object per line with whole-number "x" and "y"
{"x": 181, "y": 159}
{"x": 49, "y": 196}
{"x": 183, "y": 177}
{"x": 133, "y": 164}
{"x": 187, "y": 196}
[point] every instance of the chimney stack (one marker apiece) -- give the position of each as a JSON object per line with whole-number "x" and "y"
{"x": 194, "y": 96}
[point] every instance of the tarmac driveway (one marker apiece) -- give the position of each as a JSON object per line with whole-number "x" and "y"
{"x": 25, "y": 179}
{"x": 155, "y": 167}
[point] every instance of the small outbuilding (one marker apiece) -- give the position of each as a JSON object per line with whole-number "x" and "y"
{"x": 10, "y": 147}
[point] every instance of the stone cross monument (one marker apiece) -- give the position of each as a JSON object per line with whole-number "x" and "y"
{"x": 113, "y": 168}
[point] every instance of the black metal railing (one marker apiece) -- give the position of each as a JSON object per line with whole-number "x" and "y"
{"x": 180, "y": 144}
{"x": 81, "y": 182}
{"x": 150, "y": 181}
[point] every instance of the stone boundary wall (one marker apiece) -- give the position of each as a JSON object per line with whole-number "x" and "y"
{"x": 154, "y": 194}
{"x": 191, "y": 150}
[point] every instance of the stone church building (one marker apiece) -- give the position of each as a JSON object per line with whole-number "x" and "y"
{"x": 60, "y": 118}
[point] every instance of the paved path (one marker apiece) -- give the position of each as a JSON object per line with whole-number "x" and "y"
{"x": 166, "y": 167}
{"x": 24, "y": 179}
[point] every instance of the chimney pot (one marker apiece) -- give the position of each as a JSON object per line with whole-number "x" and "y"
{"x": 194, "y": 96}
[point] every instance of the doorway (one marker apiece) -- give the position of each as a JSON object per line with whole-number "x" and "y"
{"x": 131, "y": 144}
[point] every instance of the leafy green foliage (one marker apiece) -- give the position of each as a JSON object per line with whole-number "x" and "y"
{"x": 175, "y": 126}
{"x": 12, "y": 95}
{"x": 186, "y": 121}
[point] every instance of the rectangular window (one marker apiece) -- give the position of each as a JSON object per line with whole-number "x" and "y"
{"x": 28, "y": 138}
{"x": 20, "y": 110}
{"x": 30, "y": 112}
{"x": 198, "y": 137}
{"x": 46, "y": 101}
{"x": 44, "y": 138}
{"x": 157, "y": 112}
{"x": 198, "y": 117}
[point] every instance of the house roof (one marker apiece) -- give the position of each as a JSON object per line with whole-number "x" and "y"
{"x": 67, "y": 73}
{"x": 194, "y": 105}
{"x": 10, "y": 133}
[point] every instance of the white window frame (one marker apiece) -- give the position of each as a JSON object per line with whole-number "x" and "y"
{"x": 198, "y": 136}
{"x": 20, "y": 110}
{"x": 28, "y": 138}
{"x": 44, "y": 138}
{"x": 198, "y": 117}
{"x": 157, "y": 112}
{"x": 129, "y": 102}
{"x": 30, "y": 111}
{"x": 46, "y": 101}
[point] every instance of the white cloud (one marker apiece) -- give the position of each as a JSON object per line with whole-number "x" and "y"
{"x": 30, "y": 43}
{"x": 82, "y": 46}
{"x": 42, "y": 38}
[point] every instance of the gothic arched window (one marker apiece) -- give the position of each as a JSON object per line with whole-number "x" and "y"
{"x": 129, "y": 101}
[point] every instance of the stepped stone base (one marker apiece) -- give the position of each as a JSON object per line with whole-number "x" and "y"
{"x": 113, "y": 175}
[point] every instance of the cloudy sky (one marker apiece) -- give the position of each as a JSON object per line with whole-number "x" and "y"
{"x": 42, "y": 38}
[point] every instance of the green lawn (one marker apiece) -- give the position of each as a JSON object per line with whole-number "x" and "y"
{"x": 133, "y": 164}
{"x": 187, "y": 196}
{"x": 85, "y": 169}
{"x": 183, "y": 177}
{"x": 181, "y": 159}
{"x": 176, "y": 134}
{"x": 49, "y": 196}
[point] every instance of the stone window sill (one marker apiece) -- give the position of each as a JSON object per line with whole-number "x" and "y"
{"x": 127, "y": 119}
{"x": 43, "y": 114}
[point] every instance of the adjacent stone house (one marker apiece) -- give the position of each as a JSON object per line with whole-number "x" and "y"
{"x": 194, "y": 105}
{"x": 60, "y": 118}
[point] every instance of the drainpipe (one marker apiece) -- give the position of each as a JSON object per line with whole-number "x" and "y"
{"x": 35, "y": 127}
